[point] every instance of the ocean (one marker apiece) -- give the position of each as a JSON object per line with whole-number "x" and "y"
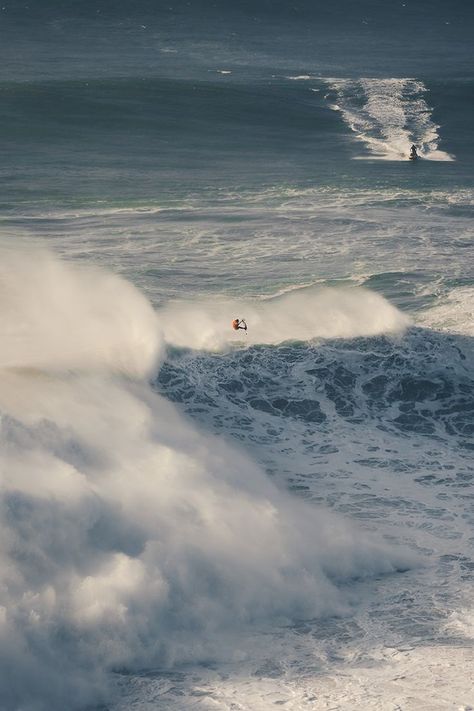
{"x": 194, "y": 517}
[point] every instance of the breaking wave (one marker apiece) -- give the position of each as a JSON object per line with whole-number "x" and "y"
{"x": 58, "y": 316}
{"x": 300, "y": 315}
{"x": 128, "y": 537}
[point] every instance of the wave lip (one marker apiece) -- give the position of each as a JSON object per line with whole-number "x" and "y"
{"x": 301, "y": 315}
{"x": 388, "y": 115}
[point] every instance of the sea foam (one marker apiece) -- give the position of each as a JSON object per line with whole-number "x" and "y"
{"x": 129, "y": 538}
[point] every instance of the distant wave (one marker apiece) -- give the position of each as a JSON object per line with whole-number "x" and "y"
{"x": 388, "y": 115}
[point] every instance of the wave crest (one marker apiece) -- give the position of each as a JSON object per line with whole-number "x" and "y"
{"x": 300, "y": 315}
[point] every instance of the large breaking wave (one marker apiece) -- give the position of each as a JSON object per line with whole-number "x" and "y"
{"x": 129, "y": 538}
{"x": 302, "y": 314}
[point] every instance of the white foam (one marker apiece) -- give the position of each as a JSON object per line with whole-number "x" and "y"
{"x": 454, "y": 313}
{"x": 301, "y": 314}
{"x": 128, "y": 538}
{"x": 427, "y": 678}
{"x": 388, "y": 115}
{"x": 56, "y": 315}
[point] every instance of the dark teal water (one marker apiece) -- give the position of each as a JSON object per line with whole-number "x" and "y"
{"x": 123, "y": 103}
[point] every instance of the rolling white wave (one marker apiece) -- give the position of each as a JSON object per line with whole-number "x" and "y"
{"x": 388, "y": 115}
{"x": 128, "y": 538}
{"x": 304, "y": 314}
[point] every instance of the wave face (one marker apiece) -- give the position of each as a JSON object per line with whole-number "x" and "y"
{"x": 388, "y": 115}
{"x": 128, "y": 537}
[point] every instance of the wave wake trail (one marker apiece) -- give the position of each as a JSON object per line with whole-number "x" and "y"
{"x": 128, "y": 538}
{"x": 300, "y": 315}
{"x": 388, "y": 115}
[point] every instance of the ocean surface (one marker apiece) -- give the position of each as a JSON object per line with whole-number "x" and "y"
{"x": 197, "y": 518}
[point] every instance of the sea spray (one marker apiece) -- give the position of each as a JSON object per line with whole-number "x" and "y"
{"x": 300, "y": 315}
{"x": 128, "y": 538}
{"x": 57, "y": 315}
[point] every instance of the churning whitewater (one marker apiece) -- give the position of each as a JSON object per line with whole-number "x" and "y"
{"x": 157, "y": 561}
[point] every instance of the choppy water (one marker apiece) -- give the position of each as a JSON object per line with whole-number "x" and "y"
{"x": 198, "y": 518}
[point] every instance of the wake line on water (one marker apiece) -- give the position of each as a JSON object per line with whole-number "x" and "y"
{"x": 128, "y": 539}
{"x": 388, "y": 115}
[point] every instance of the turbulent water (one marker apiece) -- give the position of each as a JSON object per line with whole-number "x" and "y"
{"x": 198, "y": 518}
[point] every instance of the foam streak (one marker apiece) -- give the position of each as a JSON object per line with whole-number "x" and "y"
{"x": 388, "y": 115}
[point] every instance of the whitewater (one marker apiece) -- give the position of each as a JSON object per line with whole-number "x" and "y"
{"x": 177, "y": 548}
{"x": 162, "y": 520}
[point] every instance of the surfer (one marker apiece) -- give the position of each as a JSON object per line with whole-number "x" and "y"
{"x": 239, "y": 324}
{"x": 413, "y": 153}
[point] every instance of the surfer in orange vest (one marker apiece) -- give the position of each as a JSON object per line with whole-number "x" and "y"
{"x": 239, "y": 324}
